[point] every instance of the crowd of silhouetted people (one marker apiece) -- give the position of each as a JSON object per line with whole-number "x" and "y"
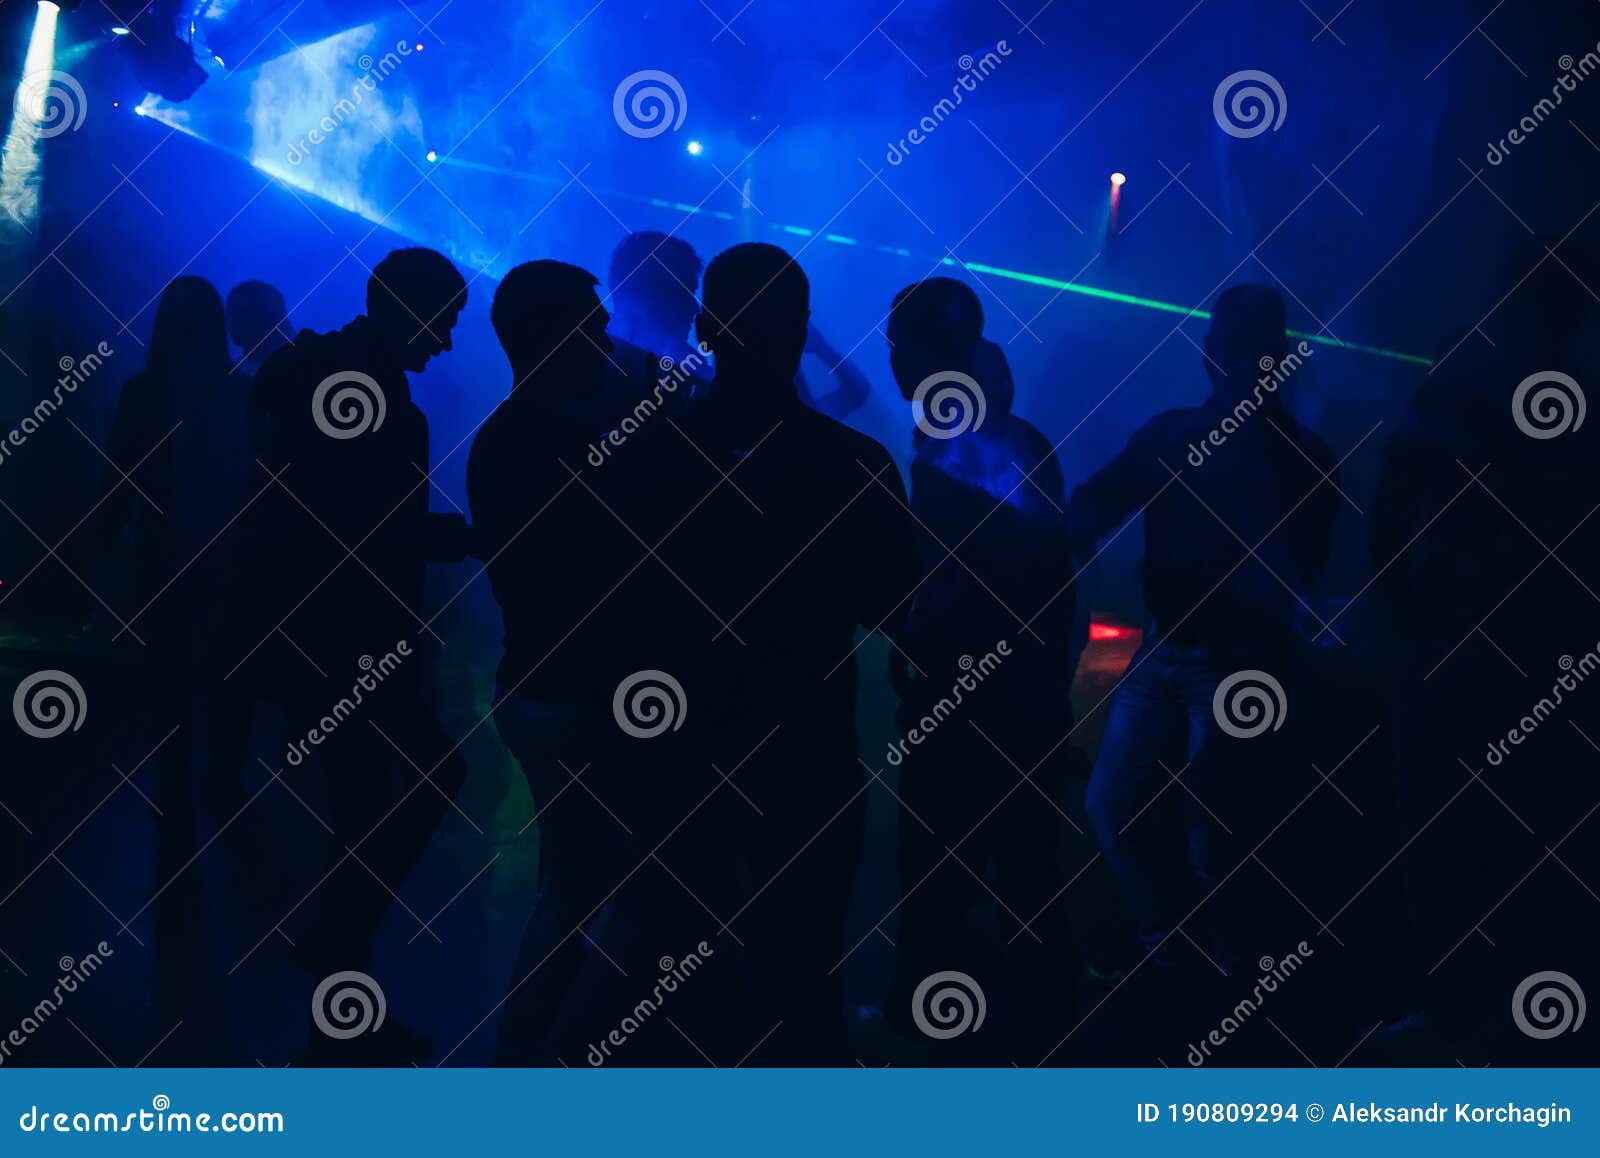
{"x": 688, "y": 544}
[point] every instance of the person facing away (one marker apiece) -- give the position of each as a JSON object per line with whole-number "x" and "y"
{"x": 986, "y": 491}
{"x": 581, "y": 615}
{"x": 790, "y": 534}
{"x": 180, "y": 431}
{"x": 1237, "y": 524}
{"x": 655, "y": 283}
{"x": 183, "y": 421}
{"x": 340, "y": 548}
{"x": 258, "y": 323}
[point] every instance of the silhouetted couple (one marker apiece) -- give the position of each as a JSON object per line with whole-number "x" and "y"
{"x": 679, "y": 682}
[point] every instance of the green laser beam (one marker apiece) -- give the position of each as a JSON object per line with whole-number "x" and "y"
{"x": 1054, "y": 283}
{"x": 1170, "y": 308}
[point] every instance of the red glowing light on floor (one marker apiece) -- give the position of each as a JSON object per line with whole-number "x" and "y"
{"x": 1104, "y": 631}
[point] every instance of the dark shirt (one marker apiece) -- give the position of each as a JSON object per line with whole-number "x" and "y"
{"x": 366, "y": 493}
{"x": 183, "y": 438}
{"x": 1261, "y": 489}
{"x": 992, "y": 530}
{"x": 792, "y": 532}
{"x": 553, "y": 529}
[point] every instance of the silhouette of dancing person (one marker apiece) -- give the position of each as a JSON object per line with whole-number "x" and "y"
{"x": 1236, "y": 527}
{"x": 180, "y": 429}
{"x": 787, "y": 534}
{"x": 580, "y": 616}
{"x": 985, "y": 675}
{"x": 341, "y": 540}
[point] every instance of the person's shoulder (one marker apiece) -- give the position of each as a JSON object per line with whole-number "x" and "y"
{"x": 1177, "y": 424}
{"x": 1315, "y": 446}
{"x": 1028, "y": 439}
{"x": 839, "y": 439}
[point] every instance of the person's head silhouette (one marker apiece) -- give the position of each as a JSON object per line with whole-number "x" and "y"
{"x": 1246, "y": 339}
{"x": 548, "y": 317}
{"x": 413, "y": 300}
{"x": 190, "y": 335}
{"x": 654, "y": 280}
{"x": 757, "y": 307}
{"x": 258, "y": 319}
{"x": 935, "y": 327}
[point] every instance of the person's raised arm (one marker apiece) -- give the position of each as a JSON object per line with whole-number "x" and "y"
{"x": 1112, "y": 494}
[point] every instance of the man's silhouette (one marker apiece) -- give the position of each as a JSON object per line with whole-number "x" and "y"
{"x": 579, "y": 618}
{"x": 987, "y": 494}
{"x": 342, "y": 538}
{"x": 1231, "y": 547}
{"x": 791, "y": 536}
{"x": 258, "y": 323}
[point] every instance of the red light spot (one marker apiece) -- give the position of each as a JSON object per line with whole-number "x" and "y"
{"x": 1104, "y": 631}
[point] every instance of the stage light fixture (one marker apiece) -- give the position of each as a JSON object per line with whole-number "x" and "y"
{"x": 119, "y": 30}
{"x": 1118, "y": 179}
{"x": 696, "y": 148}
{"x": 433, "y": 157}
